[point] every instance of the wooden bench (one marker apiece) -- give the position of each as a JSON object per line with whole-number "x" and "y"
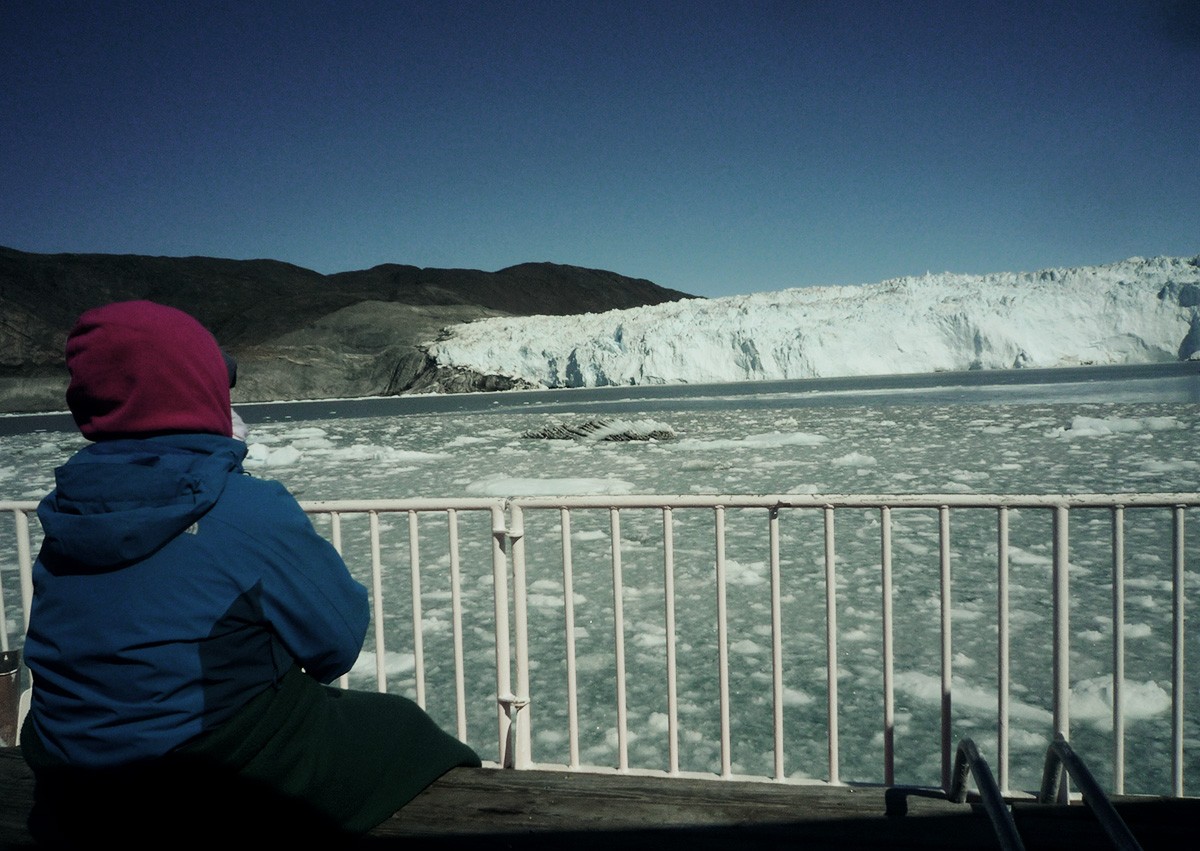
{"x": 494, "y": 808}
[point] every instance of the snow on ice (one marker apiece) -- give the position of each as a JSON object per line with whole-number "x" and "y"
{"x": 1134, "y": 311}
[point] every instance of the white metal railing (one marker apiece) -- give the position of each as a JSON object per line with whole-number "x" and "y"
{"x": 502, "y": 698}
{"x": 517, "y": 556}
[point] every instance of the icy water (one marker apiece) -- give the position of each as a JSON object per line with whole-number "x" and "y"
{"x": 1117, "y": 435}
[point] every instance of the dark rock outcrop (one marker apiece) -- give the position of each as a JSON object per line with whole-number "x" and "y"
{"x": 615, "y": 431}
{"x": 296, "y": 333}
{"x": 1189, "y": 349}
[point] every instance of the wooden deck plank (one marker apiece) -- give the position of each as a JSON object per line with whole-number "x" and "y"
{"x": 547, "y": 809}
{"x": 544, "y": 809}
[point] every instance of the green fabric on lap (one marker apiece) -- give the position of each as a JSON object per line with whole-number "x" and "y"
{"x": 300, "y": 761}
{"x": 356, "y": 756}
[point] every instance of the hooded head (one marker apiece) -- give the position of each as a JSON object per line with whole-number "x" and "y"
{"x": 140, "y": 368}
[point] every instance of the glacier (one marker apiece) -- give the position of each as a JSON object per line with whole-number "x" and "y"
{"x": 1139, "y": 310}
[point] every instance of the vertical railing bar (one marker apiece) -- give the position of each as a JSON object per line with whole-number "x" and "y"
{"x": 377, "y": 603}
{"x": 889, "y": 699}
{"x": 672, "y": 685}
{"x": 1062, "y": 627}
{"x": 335, "y": 530}
{"x": 522, "y": 723}
{"x": 24, "y": 563}
{"x": 335, "y": 536}
{"x": 460, "y": 684}
{"x": 569, "y": 626}
{"x": 1177, "y": 654}
{"x": 776, "y": 641}
{"x": 722, "y": 642}
{"x": 418, "y": 626}
{"x": 946, "y": 641}
{"x": 1118, "y": 648}
{"x": 1003, "y": 649}
{"x": 831, "y": 647}
{"x": 4, "y": 605}
{"x": 614, "y": 519}
{"x": 500, "y": 540}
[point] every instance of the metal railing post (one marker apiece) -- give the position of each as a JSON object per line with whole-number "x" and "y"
{"x": 414, "y": 573}
{"x": 889, "y": 697}
{"x": 564, "y": 516}
{"x": 1003, "y": 646}
{"x": 831, "y": 645}
{"x": 1118, "y": 648}
{"x": 24, "y": 560}
{"x": 614, "y": 519}
{"x": 456, "y": 619}
{"x": 518, "y": 704}
{"x": 504, "y": 696}
{"x": 377, "y": 604}
{"x": 1177, "y": 652}
{"x": 946, "y": 639}
{"x": 722, "y": 642}
{"x": 668, "y": 521}
{"x": 335, "y": 538}
{"x": 776, "y": 642}
{"x": 1062, "y": 637}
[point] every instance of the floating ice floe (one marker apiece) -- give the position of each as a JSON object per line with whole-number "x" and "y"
{"x": 261, "y": 455}
{"x": 854, "y": 459}
{"x": 394, "y": 664}
{"x": 928, "y": 689}
{"x": 508, "y": 486}
{"x": 771, "y": 440}
{"x": 1105, "y": 426}
{"x": 1092, "y": 701}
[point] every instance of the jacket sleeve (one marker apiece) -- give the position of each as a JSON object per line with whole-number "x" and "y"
{"x": 318, "y": 610}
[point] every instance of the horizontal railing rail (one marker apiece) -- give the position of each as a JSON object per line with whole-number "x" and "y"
{"x": 600, "y": 617}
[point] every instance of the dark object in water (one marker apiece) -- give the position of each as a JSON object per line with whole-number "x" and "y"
{"x": 603, "y": 429}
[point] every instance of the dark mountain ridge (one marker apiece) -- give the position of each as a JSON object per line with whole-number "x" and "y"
{"x": 296, "y": 333}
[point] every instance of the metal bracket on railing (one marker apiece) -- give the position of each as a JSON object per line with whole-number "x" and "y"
{"x": 514, "y": 527}
{"x": 1060, "y": 756}
{"x": 512, "y": 703}
{"x": 512, "y": 706}
{"x": 967, "y": 760}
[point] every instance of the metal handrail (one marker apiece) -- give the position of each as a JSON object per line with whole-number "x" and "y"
{"x": 509, "y": 618}
{"x": 1060, "y": 756}
{"x": 968, "y": 760}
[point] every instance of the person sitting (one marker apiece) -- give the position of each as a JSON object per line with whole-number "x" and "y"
{"x": 187, "y": 618}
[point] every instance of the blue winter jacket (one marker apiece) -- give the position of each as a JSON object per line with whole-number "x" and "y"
{"x": 171, "y": 588}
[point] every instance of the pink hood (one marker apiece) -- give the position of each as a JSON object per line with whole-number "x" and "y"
{"x": 140, "y": 368}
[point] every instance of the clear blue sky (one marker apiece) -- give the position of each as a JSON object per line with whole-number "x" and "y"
{"x": 712, "y": 147}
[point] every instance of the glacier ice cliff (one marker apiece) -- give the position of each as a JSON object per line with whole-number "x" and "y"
{"x": 1134, "y": 311}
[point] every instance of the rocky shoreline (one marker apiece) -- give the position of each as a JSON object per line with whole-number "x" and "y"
{"x": 295, "y": 333}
